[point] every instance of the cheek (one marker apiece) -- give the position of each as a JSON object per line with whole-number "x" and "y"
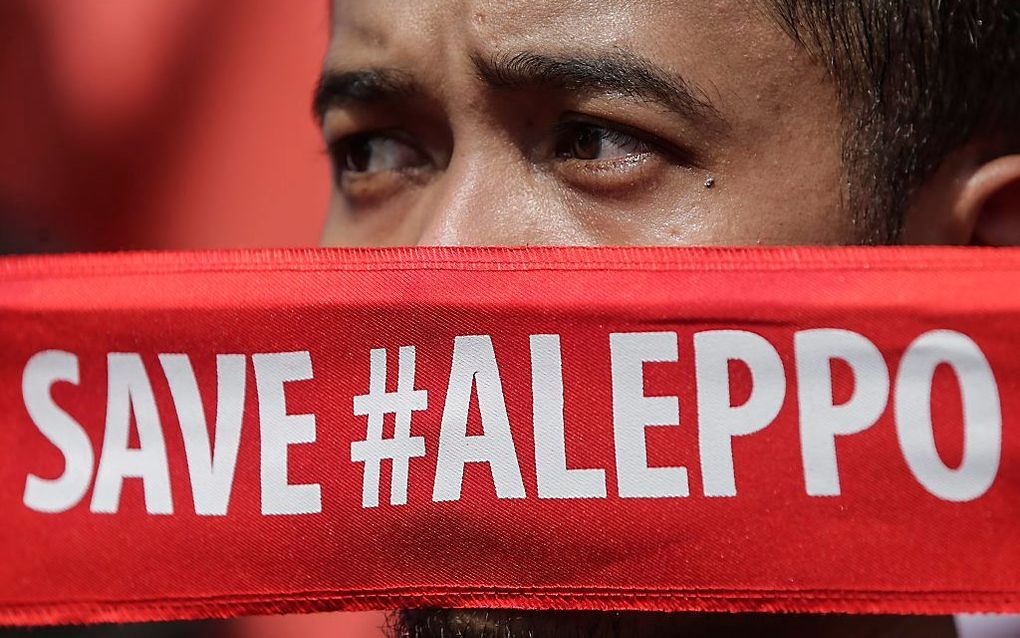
{"x": 746, "y": 205}
{"x": 752, "y": 208}
{"x": 793, "y": 205}
{"x": 674, "y": 209}
{"x": 383, "y": 225}
{"x": 662, "y": 218}
{"x": 454, "y": 209}
{"x": 786, "y": 188}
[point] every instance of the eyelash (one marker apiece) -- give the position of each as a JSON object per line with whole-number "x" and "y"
{"x": 565, "y": 133}
{"x": 571, "y": 131}
{"x": 339, "y": 150}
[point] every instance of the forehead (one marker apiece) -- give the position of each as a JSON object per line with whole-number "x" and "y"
{"x": 717, "y": 40}
{"x": 502, "y": 22}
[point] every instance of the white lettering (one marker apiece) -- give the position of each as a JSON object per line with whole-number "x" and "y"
{"x": 280, "y": 430}
{"x": 633, "y": 412}
{"x": 821, "y": 421}
{"x": 129, "y": 392}
{"x": 554, "y": 479}
{"x": 62, "y": 493}
{"x": 474, "y": 363}
{"x": 212, "y": 475}
{"x": 982, "y": 415}
{"x": 718, "y": 420}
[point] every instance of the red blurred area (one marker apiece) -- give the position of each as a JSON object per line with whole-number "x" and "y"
{"x": 147, "y": 124}
{"x": 346, "y": 625}
{"x": 160, "y": 124}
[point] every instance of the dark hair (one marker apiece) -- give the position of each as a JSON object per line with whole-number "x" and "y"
{"x": 917, "y": 79}
{"x": 494, "y": 623}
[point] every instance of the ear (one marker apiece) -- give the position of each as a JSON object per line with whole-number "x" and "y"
{"x": 968, "y": 202}
{"x": 992, "y": 199}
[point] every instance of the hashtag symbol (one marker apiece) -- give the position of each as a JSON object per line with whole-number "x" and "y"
{"x": 402, "y": 447}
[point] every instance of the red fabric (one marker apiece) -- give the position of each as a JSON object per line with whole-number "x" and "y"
{"x": 886, "y": 543}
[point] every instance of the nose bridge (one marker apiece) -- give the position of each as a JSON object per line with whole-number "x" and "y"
{"x": 473, "y": 200}
{"x": 480, "y": 197}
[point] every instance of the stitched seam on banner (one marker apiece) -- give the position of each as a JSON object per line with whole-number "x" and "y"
{"x": 845, "y": 259}
{"x": 571, "y": 592}
{"x": 117, "y": 273}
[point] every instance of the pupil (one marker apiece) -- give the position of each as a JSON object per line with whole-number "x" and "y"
{"x": 587, "y": 143}
{"x": 359, "y": 156}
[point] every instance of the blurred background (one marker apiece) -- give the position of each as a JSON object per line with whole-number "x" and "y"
{"x": 138, "y": 124}
{"x": 165, "y": 124}
{"x": 174, "y": 124}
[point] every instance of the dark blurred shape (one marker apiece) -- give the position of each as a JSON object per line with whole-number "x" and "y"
{"x": 217, "y": 629}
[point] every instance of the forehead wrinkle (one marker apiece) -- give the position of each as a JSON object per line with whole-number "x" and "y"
{"x": 618, "y": 72}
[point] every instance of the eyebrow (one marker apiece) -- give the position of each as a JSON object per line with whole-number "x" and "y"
{"x": 367, "y": 86}
{"x": 619, "y": 73}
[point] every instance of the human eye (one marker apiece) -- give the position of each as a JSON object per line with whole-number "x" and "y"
{"x": 375, "y": 153}
{"x": 604, "y": 157}
{"x": 372, "y": 165}
{"x": 587, "y": 141}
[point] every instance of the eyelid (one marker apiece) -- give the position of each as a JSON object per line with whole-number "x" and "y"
{"x": 388, "y": 132}
{"x": 614, "y": 133}
{"x": 674, "y": 152}
{"x": 338, "y": 145}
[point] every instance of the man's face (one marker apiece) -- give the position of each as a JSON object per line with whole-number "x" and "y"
{"x": 587, "y": 122}
{"x": 582, "y": 122}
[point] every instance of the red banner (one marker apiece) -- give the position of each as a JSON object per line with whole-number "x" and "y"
{"x": 213, "y": 434}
